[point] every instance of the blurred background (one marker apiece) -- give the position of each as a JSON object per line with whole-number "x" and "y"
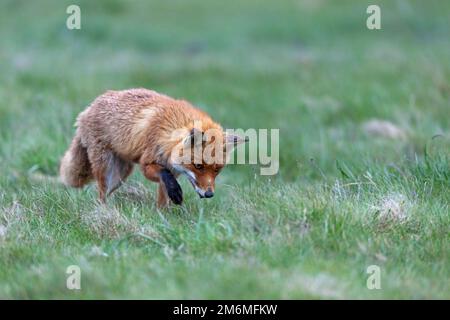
{"x": 363, "y": 114}
{"x": 310, "y": 68}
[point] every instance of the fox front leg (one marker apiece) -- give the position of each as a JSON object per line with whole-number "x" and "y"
{"x": 168, "y": 185}
{"x": 173, "y": 188}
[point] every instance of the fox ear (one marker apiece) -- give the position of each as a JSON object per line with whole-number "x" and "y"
{"x": 234, "y": 140}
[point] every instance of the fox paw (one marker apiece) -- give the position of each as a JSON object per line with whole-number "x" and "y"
{"x": 172, "y": 186}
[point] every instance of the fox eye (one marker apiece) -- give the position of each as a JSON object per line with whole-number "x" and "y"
{"x": 198, "y": 166}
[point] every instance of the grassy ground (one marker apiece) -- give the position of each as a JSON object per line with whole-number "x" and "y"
{"x": 349, "y": 193}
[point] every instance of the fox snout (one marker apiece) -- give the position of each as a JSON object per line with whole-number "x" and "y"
{"x": 202, "y": 178}
{"x": 204, "y": 191}
{"x": 204, "y": 181}
{"x": 208, "y": 194}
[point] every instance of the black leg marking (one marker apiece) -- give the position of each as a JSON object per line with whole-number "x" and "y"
{"x": 173, "y": 188}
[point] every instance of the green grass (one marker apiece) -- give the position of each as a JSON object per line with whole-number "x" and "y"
{"x": 344, "y": 198}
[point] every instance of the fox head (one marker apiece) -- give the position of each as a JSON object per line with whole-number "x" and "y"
{"x": 201, "y": 154}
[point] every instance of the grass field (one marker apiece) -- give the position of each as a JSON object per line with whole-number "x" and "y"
{"x": 350, "y": 193}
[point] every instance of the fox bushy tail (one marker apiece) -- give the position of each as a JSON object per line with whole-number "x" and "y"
{"x": 75, "y": 170}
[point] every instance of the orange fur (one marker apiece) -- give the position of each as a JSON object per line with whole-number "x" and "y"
{"x": 121, "y": 128}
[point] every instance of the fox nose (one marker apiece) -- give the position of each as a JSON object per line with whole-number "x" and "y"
{"x": 209, "y": 194}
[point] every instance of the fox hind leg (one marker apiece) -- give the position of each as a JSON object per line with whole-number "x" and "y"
{"x": 117, "y": 171}
{"x": 108, "y": 170}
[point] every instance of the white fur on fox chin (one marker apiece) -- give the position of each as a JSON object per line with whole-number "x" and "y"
{"x": 191, "y": 176}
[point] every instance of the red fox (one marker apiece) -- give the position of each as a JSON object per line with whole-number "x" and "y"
{"x": 140, "y": 126}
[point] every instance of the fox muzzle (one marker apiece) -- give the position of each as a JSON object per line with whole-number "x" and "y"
{"x": 208, "y": 194}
